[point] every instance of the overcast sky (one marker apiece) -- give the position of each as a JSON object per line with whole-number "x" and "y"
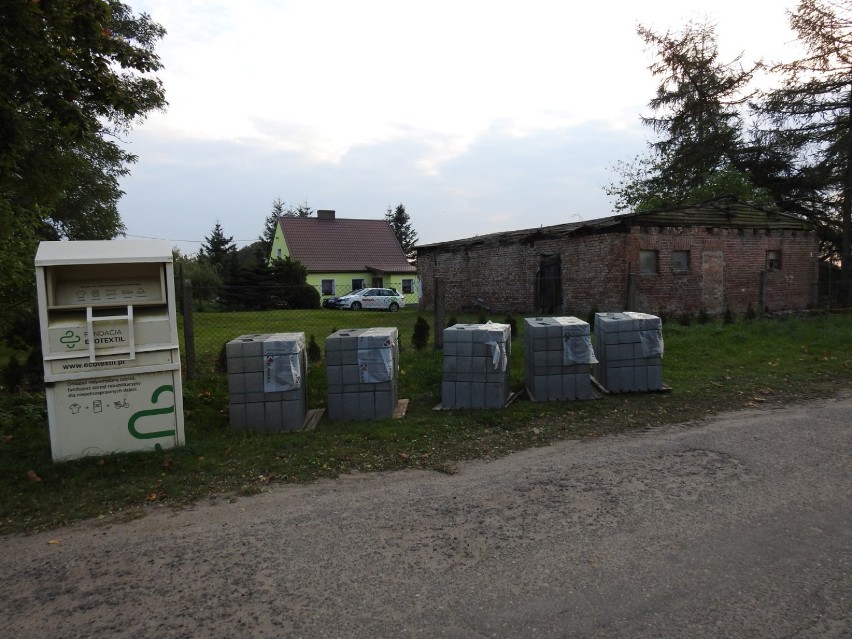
{"x": 478, "y": 116}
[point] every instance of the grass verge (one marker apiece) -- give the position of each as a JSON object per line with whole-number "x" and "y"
{"x": 711, "y": 368}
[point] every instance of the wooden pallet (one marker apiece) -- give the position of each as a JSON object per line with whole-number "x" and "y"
{"x": 311, "y": 419}
{"x": 401, "y": 407}
{"x": 510, "y": 400}
{"x": 596, "y": 385}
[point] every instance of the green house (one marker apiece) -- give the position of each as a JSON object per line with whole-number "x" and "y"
{"x": 343, "y": 255}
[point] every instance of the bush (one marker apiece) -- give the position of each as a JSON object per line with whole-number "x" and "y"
{"x": 451, "y": 321}
{"x": 314, "y": 350}
{"x": 591, "y": 318}
{"x": 13, "y": 374}
{"x": 513, "y": 324}
{"x": 420, "y": 337}
{"x": 728, "y": 317}
{"x": 703, "y": 317}
{"x": 303, "y": 296}
{"x": 685, "y": 319}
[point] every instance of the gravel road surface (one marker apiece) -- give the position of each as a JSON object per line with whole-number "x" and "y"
{"x": 737, "y": 526}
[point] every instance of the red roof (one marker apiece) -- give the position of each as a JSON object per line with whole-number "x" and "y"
{"x": 344, "y": 245}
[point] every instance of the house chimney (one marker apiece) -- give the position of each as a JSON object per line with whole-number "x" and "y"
{"x": 325, "y": 215}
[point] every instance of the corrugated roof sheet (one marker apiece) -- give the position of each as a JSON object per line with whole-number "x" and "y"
{"x": 723, "y": 213}
{"x": 344, "y": 245}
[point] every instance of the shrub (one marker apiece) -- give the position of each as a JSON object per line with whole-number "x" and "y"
{"x": 13, "y": 374}
{"x": 594, "y": 311}
{"x": 303, "y": 296}
{"x": 314, "y": 350}
{"x": 513, "y": 324}
{"x": 420, "y": 337}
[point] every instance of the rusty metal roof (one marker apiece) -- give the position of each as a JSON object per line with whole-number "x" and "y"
{"x": 721, "y": 213}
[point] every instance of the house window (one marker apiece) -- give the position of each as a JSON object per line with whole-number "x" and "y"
{"x": 407, "y": 286}
{"x": 279, "y": 253}
{"x": 773, "y": 260}
{"x": 327, "y": 287}
{"x": 357, "y": 284}
{"x": 378, "y": 282}
{"x": 680, "y": 260}
{"x": 649, "y": 261}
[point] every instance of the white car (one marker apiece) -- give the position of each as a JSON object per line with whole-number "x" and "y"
{"x": 382, "y": 299}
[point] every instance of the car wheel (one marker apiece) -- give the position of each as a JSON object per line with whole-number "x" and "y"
{"x": 356, "y": 306}
{"x": 394, "y": 307}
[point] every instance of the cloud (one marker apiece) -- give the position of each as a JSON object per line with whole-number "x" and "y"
{"x": 501, "y": 181}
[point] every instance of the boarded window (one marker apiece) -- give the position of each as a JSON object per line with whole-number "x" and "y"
{"x": 680, "y": 260}
{"x": 649, "y": 262}
{"x": 773, "y": 260}
{"x": 407, "y": 286}
{"x": 328, "y": 287}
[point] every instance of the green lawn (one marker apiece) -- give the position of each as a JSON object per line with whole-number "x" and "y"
{"x": 711, "y": 368}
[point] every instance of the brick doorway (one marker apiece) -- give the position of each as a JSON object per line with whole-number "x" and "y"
{"x": 548, "y": 284}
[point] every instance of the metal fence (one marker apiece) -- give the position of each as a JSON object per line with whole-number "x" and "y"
{"x": 209, "y": 321}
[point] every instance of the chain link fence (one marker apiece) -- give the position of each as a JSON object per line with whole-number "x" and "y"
{"x": 210, "y": 318}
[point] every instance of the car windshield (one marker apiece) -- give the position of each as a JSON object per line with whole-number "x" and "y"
{"x": 360, "y": 291}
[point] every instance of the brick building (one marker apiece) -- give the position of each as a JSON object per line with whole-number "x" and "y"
{"x": 718, "y": 255}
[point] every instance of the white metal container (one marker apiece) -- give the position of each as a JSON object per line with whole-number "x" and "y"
{"x": 110, "y": 346}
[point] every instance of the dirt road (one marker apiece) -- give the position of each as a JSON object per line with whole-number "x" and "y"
{"x": 739, "y": 526}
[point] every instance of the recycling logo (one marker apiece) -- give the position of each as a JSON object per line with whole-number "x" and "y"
{"x": 70, "y": 339}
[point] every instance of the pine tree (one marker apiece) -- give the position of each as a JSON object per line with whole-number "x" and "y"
{"x": 811, "y": 118}
{"x": 698, "y": 125}
{"x": 271, "y": 224}
{"x": 220, "y": 251}
{"x": 402, "y": 228}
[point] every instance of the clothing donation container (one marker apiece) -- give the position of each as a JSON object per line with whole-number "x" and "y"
{"x": 109, "y": 340}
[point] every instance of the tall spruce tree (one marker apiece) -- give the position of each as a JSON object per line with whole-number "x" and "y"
{"x": 271, "y": 224}
{"x": 220, "y": 251}
{"x": 811, "y": 120}
{"x": 400, "y": 222}
{"x": 697, "y": 121}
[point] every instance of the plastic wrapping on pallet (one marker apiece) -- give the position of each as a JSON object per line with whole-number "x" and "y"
{"x": 496, "y": 336}
{"x": 652, "y": 342}
{"x": 578, "y": 350}
{"x": 282, "y": 369}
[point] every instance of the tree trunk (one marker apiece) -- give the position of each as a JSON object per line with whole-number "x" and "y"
{"x": 846, "y": 218}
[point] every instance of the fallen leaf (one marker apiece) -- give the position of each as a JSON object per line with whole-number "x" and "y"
{"x": 33, "y": 476}
{"x": 54, "y": 542}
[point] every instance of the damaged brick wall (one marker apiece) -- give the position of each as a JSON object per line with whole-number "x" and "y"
{"x": 727, "y": 269}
